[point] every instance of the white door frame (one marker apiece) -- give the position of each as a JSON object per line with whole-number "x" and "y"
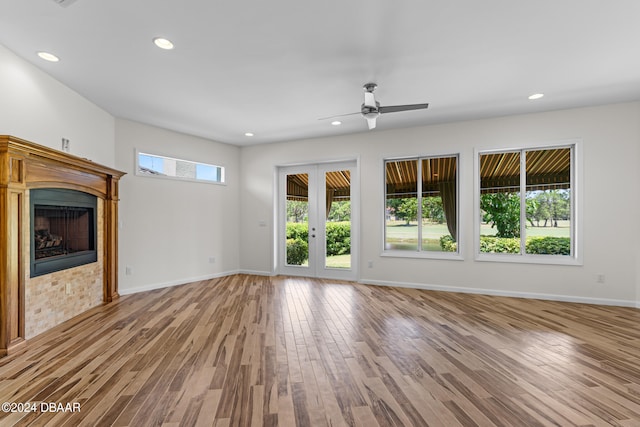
{"x": 317, "y": 197}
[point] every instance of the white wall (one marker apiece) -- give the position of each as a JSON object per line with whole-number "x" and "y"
{"x": 610, "y": 138}
{"x": 38, "y": 108}
{"x": 168, "y": 228}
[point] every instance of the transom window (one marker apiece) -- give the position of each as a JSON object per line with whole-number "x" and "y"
{"x": 526, "y": 203}
{"x": 421, "y": 205}
{"x": 169, "y": 167}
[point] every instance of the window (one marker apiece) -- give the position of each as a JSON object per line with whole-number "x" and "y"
{"x": 168, "y": 167}
{"x": 421, "y": 201}
{"x": 526, "y": 204}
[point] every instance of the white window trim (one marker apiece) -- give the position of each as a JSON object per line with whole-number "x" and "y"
{"x": 391, "y": 253}
{"x": 175, "y": 178}
{"x": 577, "y": 180}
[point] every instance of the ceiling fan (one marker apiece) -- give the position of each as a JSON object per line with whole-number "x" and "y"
{"x": 371, "y": 108}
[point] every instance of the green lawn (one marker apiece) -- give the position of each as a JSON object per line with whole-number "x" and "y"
{"x": 336, "y": 261}
{"x": 339, "y": 261}
{"x": 405, "y": 237}
{"x": 562, "y": 230}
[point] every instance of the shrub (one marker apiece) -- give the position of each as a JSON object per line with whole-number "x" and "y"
{"x": 338, "y": 238}
{"x": 504, "y": 245}
{"x": 297, "y": 251}
{"x": 448, "y": 244}
{"x": 298, "y": 230}
{"x": 499, "y": 245}
{"x": 549, "y": 245}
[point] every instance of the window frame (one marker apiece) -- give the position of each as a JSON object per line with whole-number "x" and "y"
{"x": 576, "y": 231}
{"x": 138, "y": 153}
{"x": 395, "y": 253}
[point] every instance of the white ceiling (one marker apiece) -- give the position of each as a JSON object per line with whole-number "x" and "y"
{"x": 275, "y": 67}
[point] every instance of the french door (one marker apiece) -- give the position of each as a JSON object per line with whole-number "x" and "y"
{"x": 317, "y": 220}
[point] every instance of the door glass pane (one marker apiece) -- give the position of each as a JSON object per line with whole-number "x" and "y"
{"x": 549, "y": 202}
{"x": 297, "y": 211}
{"x": 338, "y": 219}
{"x": 500, "y": 202}
{"x": 439, "y": 200}
{"x": 401, "y": 222}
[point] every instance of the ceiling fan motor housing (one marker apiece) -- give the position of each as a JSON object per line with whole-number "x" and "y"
{"x": 370, "y": 107}
{"x": 369, "y": 111}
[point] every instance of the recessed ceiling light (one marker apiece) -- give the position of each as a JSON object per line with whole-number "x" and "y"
{"x": 48, "y": 56}
{"x": 336, "y": 122}
{"x": 536, "y": 96}
{"x": 163, "y": 43}
{"x": 248, "y": 134}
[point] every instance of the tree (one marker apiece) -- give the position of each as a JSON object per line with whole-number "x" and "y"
{"x": 532, "y": 208}
{"x": 502, "y": 211}
{"x": 340, "y": 211}
{"x": 560, "y": 205}
{"x": 408, "y": 209}
{"x": 541, "y": 210}
{"x": 432, "y": 209}
{"x": 402, "y": 208}
{"x": 552, "y": 205}
{"x": 297, "y": 211}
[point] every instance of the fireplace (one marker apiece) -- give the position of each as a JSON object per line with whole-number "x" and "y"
{"x": 63, "y": 189}
{"x": 63, "y": 230}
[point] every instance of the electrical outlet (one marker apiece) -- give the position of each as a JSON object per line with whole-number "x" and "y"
{"x": 128, "y": 270}
{"x": 600, "y": 278}
{"x": 67, "y": 288}
{"x": 212, "y": 260}
{"x": 370, "y": 264}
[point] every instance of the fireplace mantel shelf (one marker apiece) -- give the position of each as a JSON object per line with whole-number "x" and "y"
{"x": 24, "y": 166}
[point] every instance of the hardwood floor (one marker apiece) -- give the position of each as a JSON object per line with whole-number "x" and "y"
{"x": 253, "y": 351}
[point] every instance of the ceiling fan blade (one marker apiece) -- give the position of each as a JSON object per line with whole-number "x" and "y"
{"x": 339, "y": 115}
{"x": 369, "y": 99}
{"x": 371, "y": 123}
{"x": 395, "y": 108}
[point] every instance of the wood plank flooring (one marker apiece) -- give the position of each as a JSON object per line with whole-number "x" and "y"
{"x": 268, "y": 351}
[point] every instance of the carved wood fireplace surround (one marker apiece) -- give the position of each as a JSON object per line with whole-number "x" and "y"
{"x": 25, "y": 166}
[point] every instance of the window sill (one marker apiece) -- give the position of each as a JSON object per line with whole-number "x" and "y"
{"x": 446, "y": 256}
{"x": 530, "y": 259}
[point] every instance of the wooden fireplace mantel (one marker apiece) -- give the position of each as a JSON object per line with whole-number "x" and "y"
{"x": 25, "y": 165}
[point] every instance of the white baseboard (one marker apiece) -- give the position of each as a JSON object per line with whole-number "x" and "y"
{"x": 162, "y": 285}
{"x": 424, "y": 286}
{"x": 256, "y": 272}
{"x": 494, "y": 292}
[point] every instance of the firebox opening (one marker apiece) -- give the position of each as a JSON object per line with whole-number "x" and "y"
{"x": 63, "y": 230}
